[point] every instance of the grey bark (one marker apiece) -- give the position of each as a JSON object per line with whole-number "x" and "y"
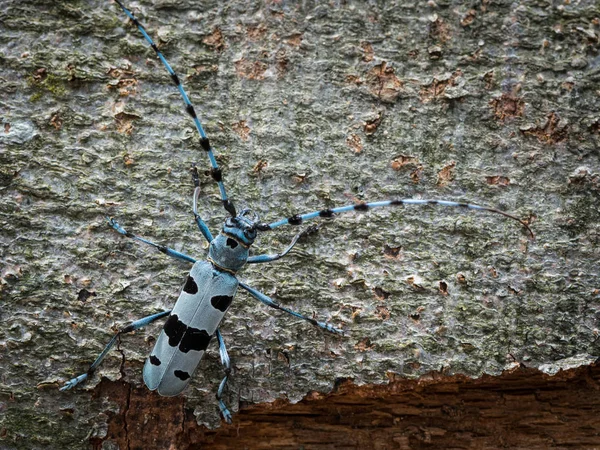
{"x": 308, "y": 105}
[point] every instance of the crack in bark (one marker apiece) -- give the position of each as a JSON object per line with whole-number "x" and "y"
{"x": 122, "y": 366}
{"x": 183, "y": 417}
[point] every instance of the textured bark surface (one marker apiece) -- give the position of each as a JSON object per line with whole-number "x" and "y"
{"x": 308, "y": 105}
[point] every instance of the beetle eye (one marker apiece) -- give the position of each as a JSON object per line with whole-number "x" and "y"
{"x": 250, "y": 234}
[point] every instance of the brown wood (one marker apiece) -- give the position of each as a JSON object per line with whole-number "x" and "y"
{"x": 521, "y": 409}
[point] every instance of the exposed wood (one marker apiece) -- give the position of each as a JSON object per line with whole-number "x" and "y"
{"x": 520, "y": 409}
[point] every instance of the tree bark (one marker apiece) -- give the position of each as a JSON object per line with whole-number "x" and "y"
{"x": 308, "y": 105}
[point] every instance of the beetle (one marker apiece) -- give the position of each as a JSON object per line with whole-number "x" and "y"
{"x": 212, "y": 284}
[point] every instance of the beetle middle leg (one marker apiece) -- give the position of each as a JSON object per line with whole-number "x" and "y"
{"x": 136, "y": 325}
{"x": 273, "y": 304}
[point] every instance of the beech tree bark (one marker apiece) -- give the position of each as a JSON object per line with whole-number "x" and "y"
{"x": 462, "y": 331}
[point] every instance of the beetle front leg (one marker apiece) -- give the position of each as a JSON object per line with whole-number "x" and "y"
{"x": 161, "y": 248}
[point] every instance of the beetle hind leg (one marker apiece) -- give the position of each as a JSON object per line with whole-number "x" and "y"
{"x": 227, "y": 366}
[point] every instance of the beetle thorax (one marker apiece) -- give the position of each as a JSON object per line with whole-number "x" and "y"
{"x": 229, "y": 250}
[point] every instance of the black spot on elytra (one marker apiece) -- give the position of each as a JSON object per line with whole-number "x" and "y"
{"x": 174, "y": 329}
{"x": 190, "y": 286}
{"x": 231, "y": 243}
{"x": 154, "y": 360}
{"x": 221, "y": 302}
{"x": 187, "y": 338}
{"x": 194, "y": 339}
{"x": 181, "y": 375}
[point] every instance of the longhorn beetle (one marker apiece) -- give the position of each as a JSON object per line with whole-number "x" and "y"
{"x": 212, "y": 284}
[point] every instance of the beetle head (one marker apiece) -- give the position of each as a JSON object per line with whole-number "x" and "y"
{"x": 242, "y": 227}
